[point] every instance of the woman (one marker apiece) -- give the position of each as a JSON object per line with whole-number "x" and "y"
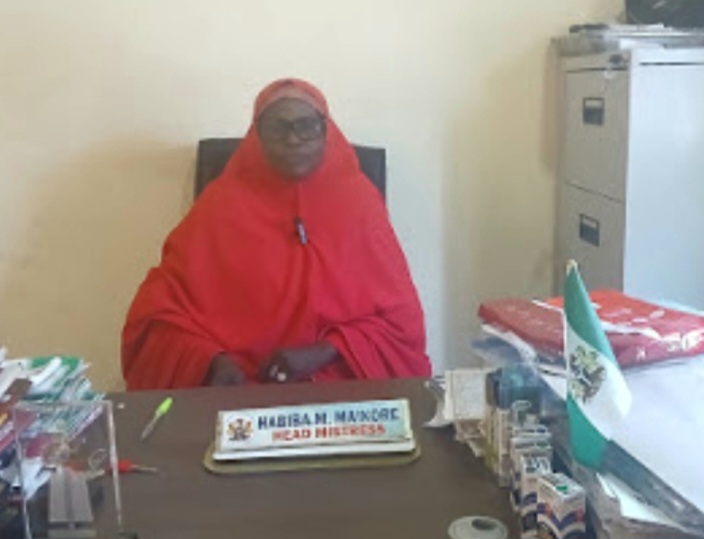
{"x": 285, "y": 269}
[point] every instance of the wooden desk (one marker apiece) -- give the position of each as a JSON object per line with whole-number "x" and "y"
{"x": 417, "y": 501}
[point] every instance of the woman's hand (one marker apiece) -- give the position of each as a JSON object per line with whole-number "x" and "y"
{"x": 295, "y": 364}
{"x": 224, "y": 372}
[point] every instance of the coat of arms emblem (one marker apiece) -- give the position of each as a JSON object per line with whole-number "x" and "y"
{"x": 587, "y": 374}
{"x": 239, "y": 430}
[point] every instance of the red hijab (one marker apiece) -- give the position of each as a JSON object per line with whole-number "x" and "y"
{"x": 235, "y": 277}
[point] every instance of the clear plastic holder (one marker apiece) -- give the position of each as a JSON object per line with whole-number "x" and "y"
{"x": 66, "y": 451}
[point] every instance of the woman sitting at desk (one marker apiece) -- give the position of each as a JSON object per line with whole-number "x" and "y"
{"x": 285, "y": 269}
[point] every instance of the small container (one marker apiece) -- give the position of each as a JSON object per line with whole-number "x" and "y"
{"x": 477, "y": 527}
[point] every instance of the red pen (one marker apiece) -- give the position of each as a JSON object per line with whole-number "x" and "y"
{"x": 127, "y": 466}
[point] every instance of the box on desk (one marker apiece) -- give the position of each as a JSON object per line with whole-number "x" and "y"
{"x": 561, "y": 508}
{"x": 489, "y": 421}
{"x": 512, "y": 399}
{"x": 532, "y": 468}
{"x": 532, "y": 440}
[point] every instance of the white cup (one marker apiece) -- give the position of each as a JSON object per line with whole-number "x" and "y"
{"x": 477, "y": 528}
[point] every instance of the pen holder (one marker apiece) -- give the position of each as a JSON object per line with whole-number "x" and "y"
{"x": 65, "y": 453}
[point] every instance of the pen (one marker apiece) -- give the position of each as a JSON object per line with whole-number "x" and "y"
{"x": 158, "y": 414}
{"x": 127, "y": 466}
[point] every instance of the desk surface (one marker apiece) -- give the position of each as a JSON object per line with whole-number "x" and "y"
{"x": 419, "y": 500}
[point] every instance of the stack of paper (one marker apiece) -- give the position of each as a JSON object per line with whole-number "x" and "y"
{"x": 621, "y": 513}
{"x": 39, "y": 380}
{"x": 461, "y": 401}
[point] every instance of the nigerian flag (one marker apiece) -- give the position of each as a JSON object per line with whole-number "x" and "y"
{"x": 598, "y": 397}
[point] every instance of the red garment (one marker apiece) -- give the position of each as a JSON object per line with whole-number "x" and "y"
{"x": 290, "y": 89}
{"x": 235, "y": 278}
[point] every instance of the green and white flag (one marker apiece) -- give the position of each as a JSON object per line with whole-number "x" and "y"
{"x": 598, "y": 397}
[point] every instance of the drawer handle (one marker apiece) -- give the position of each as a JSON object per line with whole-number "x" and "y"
{"x": 593, "y": 111}
{"x": 589, "y": 230}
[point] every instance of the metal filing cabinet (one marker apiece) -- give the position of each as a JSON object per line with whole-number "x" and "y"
{"x": 631, "y": 189}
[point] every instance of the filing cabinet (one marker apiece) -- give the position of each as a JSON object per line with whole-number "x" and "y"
{"x": 631, "y": 179}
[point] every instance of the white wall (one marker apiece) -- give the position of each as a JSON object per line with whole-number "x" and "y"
{"x": 101, "y": 104}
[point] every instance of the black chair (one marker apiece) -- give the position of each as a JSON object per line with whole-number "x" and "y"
{"x": 214, "y": 153}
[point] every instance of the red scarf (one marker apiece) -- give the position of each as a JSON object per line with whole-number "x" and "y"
{"x": 235, "y": 277}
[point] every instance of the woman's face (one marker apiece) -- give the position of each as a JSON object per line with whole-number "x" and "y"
{"x": 292, "y": 134}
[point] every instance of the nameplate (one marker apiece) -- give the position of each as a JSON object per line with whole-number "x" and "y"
{"x": 381, "y": 426}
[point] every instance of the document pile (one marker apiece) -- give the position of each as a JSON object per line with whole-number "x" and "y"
{"x": 46, "y": 380}
{"x": 621, "y": 513}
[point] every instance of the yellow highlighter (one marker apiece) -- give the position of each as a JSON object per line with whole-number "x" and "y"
{"x": 160, "y": 412}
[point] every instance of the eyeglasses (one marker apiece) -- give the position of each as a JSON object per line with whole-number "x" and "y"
{"x": 306, "y": 129}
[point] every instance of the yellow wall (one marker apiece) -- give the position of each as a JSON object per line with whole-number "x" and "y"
{"x": 101, "y": 104}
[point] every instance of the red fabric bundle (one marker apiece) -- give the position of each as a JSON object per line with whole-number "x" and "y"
{"x": 645, "y": 333}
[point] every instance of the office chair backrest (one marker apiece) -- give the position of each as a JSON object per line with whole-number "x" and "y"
{"x": 214, "y": 153}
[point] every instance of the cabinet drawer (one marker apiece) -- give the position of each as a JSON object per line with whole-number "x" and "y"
{"x": 596, "y": 131}
{"x": 590, "y": 230}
